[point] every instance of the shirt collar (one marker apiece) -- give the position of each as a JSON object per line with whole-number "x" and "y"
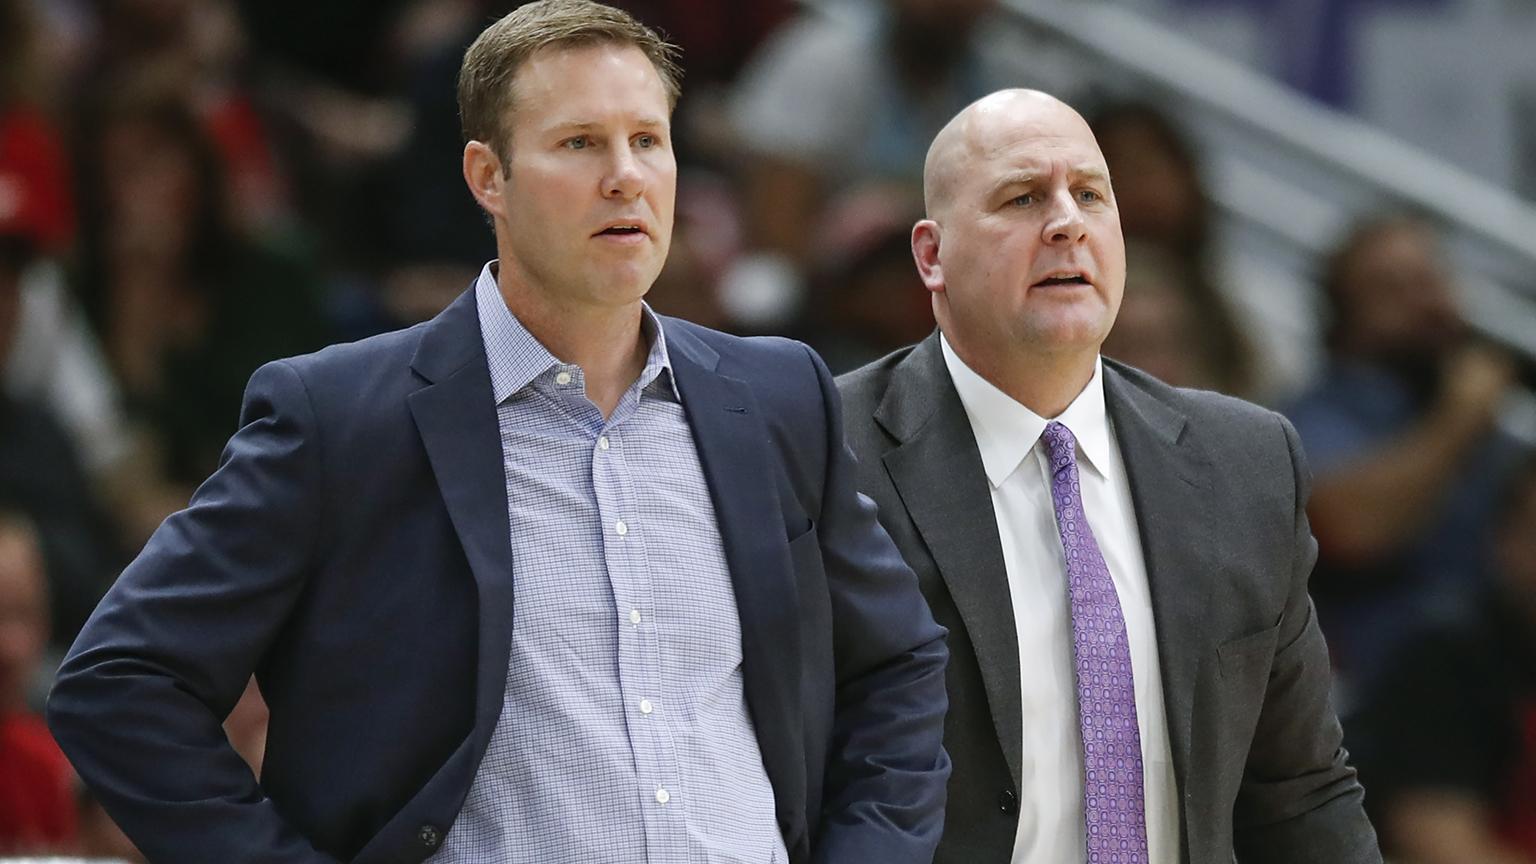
{"x": 1006, "y": 431}
{"x": 517, "y": 358}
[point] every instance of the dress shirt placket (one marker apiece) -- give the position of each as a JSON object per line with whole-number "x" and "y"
{"x": 639, "y": 658}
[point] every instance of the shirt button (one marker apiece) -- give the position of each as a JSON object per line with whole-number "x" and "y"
{"x": 662, "y": 797}
{"x": 620, "y": 527}
{"x": 562, "y": 378}
{"x": 602, "y": 442}
{"x": 645, "y": 706}
{"x": 634, "y": 616}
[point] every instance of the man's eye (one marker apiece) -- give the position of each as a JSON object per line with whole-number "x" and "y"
{"x": 646, "y": 141}
{"x": 578, "y": 143}
{"x": 1088, "y": 196}
{"x": 1023, "y": 200}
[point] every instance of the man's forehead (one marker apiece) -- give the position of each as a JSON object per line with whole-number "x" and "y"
{"x": 1032, "y": 135}
{"x": 1041, "y": 171}
{"x": 1041, "y": 148}
{"x": 590, "y": 84}
{"x": 1007, "y": 131}
{"x": 1032, "y": 159}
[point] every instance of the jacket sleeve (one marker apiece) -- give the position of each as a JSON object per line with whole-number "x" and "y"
{"x": 1300, "y": 800}
{"x": 139, "y": 701}
{"x": 887, "y": 769}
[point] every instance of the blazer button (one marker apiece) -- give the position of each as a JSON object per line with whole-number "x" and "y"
{"x": 1008, "y": 802}
{"x": 429, "y": 836}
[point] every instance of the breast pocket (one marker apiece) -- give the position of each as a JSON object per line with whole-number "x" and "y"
{"x": 1247, "y": 659}
{"x": 1243, "y": 668}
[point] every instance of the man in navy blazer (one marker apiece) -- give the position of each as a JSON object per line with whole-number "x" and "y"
{"x": 353, "y": 552}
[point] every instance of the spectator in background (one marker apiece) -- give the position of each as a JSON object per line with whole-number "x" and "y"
{"x": 198, "y": 47}
{"x": 50, "y": 359}
{"x": 848, "y": 97}
{"x": 37, "y": 812}
{"x": 34, "y": 186}
{"x": 424, "y": 263}
{"x": 335, "y": 75}
{"x": 703, "y": 233}
{"x": 53, "y": 357}
{"x": 37, "y": 223}
{"x": 717, "y": 38}
{"x": 186, "y": 306}
{"x": 868, "y": 298}
{"x": 340, "y": 43}
{"x": 1161, "y": 329}
{"x": 1453, "y": 774}
{"x": 1163, "y": 204}
{"x": 427, "y": 262}
{"x": 1401, "y": 432}
{"x": 40, "y": 474}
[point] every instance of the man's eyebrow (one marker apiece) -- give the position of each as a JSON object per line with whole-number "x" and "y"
{"x": 1079, "y": 174}
{"x": 648, "y": 123}
{"x": 1090, "y": 172}
{"x": 1015, "y": 178}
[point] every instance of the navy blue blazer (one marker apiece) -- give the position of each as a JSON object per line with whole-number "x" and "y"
{"x": 352, "y": 551}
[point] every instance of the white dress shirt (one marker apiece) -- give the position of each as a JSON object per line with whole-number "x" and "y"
{"x": 1051, "y": 820}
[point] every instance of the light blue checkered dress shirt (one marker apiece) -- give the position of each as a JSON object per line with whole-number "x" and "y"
{"x": 624, "y": 734}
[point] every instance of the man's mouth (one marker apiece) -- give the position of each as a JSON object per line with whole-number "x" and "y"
{"x": 622, "y": 229}
{"x": 1063, "y": 279}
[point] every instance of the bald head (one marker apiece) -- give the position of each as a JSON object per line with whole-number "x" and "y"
{"x": 987, "y": 125}
{"x": 1022, "y": 249}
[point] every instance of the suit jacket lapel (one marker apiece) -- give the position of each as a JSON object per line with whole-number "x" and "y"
{"x": 1168, "y": 474}
{"x": 734, "y": 452}
{"x": 937, "y": 472}
{"x": 456, "y": 417}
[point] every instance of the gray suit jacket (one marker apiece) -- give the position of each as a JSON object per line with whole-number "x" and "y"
{"x": 1219, "y": 488}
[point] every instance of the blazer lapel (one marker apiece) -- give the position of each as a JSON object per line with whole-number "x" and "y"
{"x": 734, "y": 452}
{"x": 937, "y": 471}
{"x": 456, "y": 417}
{"x": 1168, "y": 474}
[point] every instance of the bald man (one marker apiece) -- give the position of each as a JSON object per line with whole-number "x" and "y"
{"x": 1136, "y": 673}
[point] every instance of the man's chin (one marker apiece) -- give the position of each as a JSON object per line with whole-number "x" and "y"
{"x": 1075, "y": 330}
{"x": 622, "y": 285}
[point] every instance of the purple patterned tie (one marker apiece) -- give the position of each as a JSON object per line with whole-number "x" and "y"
{"x": 1113, "y": 796}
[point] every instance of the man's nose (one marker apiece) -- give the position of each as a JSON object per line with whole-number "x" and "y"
{"x": 1066, "y": 224}
{"x": 624, "y": 179}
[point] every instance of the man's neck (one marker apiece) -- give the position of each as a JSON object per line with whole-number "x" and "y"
{"x": 1044, "y": 383}
{"x": 607, "y": 342}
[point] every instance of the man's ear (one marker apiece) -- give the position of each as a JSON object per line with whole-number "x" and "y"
{"x": 483, "y": 176}
{"x": 925, "y": 251}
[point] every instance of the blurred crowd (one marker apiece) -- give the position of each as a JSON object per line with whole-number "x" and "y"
{"x": 189, "y": 188}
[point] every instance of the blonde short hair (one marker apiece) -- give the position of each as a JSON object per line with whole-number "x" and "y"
{"x": 485, "y": 78}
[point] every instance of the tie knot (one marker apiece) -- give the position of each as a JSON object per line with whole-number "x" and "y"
{"x": 1059, "y": 445}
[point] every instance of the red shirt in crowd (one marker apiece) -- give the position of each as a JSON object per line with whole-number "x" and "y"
{"x": 37, "y": 804}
